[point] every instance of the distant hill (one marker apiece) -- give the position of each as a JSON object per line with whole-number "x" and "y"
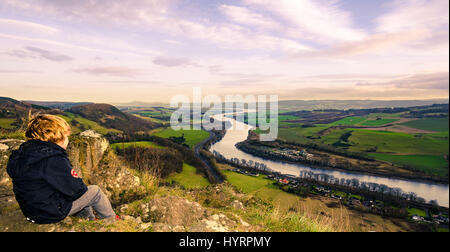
{"x": 111, "y": 117}
{"x": 296, "y": 105}
{"x": 10, "y": 107}
{"x": 14, "y": 113}
{"x": 139, "y": 104}
{"x": 57, "y": 105}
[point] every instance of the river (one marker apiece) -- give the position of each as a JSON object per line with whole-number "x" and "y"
{"x": 226, "y": 147}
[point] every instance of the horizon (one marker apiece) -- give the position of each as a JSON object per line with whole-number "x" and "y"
{"x": 318, "y": 100}
{"x": 149, "y": 51}
{"x": 143, "y": 102}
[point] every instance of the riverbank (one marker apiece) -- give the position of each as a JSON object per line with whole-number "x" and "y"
{"x": 323, "y": 209}
{"x": 297, "y": 154}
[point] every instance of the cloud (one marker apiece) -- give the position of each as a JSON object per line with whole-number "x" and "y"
{"x": 322, "y": 21}
{"x": 49, "y": 55}
{"x": 28, "y": 25}
{"x": 359, "y": 93}
{"x": 350, "y": 76}
{"x": 240, "y": 82}
{"x": 245, "y": 16}
{"x": 112, "y": 71}
{"x": 116, "y": 11}
{"x": 430, "y": 81}
{"x": 126, "y": 51}
{"x": 38, "y": 53}
{"x": 371, "y": 45}
{"x": 19, "y": 71}
{"x": 160, "y": 16}
{"x": 172, "y": 62}
{"x": 414, "y": 14}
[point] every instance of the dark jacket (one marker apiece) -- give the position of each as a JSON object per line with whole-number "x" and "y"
{"x": 44, "y": 183}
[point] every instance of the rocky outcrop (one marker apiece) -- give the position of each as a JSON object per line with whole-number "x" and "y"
{"x": 98, "y": 165}
{"x": 7, "y": 200}
{"x": 177, "y": 214}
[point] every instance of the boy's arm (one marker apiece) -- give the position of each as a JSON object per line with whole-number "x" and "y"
{"x": 60, "y": 175}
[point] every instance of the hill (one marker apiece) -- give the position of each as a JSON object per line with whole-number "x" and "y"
{"x": 111, "y": 117}
{"x": 13, "y": 113}
{"x": 57, "y": 105}
{"x": 296, "y": 105}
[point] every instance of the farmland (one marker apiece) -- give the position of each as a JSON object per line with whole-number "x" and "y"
{"x": 192, "y": 137}
{"x": 431, "y": 124}
{"x": 411, "y": 138}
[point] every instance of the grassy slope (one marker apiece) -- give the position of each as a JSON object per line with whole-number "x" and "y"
{"x": 193, "y": 137}
{"x": 137, "y": 144}
{"x": 306, "y": 214}
{"x": 88, "y": 124}
{"x": 6, "y": 123}
{"x": 393, "y": 142}
{"x": 261, "y": 187}
{"x": 189, "y": 178}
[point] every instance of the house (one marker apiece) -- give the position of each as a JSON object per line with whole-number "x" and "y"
{"x": 284, "y": 181}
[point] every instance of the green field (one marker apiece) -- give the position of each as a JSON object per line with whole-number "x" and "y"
{"x": 287, "y": 117}
{"x": 418, "y": 212}
{"x": 6, "y": 123}
{"x": 364, "y": 121}
{"x": 161, "y": 115}
{"x": 87, "y": 124}
{"x": 137, "y": 144}
{"x": 298, "y": 134}
{"x": 193, "y": 137}
{"x": 426, "y": 163}
{"x": 260, "y": 186}
{"x": 349, "y": 121}
{"x": 400, "y": 143}
{"x": 431, "y": 124}
{"x": 377, "y": 122}
{"x": 189, "y": 178}
{"x": 420, "y": 152}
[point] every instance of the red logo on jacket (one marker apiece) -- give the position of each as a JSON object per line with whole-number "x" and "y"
{"x": 74, "y": 173}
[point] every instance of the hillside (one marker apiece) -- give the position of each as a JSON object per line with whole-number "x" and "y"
{"x": 57, "y": 105}
{"x": 295, "y": 105}
{"x": 14, "y": 112}
{"x": 144, "y": 204}
{"x": 110, "y": 117}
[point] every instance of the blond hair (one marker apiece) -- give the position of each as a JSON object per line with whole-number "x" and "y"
{"x": 48, "y": 128}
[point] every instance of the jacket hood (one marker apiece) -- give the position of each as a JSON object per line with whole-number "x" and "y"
{"x": 31, "y": 152}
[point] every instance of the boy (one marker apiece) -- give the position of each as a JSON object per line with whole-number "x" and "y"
{"x": 46, "y": 186}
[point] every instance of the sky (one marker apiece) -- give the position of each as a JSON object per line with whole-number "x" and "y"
{"x": 151, "y": 50}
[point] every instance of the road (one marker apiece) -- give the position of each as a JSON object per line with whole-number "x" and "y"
{"x": 212, "y": 171}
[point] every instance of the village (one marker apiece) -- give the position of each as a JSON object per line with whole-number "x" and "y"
{"x": 294, "y": 155}
{"x": 291, "y": 183}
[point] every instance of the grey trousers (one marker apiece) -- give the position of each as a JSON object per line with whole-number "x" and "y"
{"x": 93, "y": 199}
